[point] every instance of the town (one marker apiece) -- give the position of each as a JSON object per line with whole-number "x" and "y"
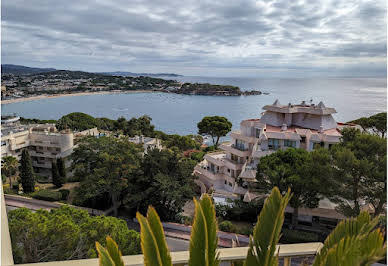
{"x": 60, "y": 82}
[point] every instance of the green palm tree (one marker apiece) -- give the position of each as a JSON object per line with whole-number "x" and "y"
{"x": 9, "y": 167}
{"x": 354, "y": 241}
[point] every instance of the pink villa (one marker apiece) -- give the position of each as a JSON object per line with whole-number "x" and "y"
{"x": 229, "y": 172}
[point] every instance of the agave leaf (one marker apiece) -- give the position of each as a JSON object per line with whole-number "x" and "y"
{"x": 203, "y": 242}
{"x": 104, "y": 257}
{"x": 266, "y": 233}
{"x": 359, "y": 225}
{"x": 114, "y": 251}
{"x": 149, "y": 245}
{"x": 157, "y": 230}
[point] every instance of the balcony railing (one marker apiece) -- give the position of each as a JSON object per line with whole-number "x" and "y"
{"x": 239, "y": 147}
{"x": 285, "y": 252}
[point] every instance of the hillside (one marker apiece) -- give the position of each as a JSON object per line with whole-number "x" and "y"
{"x": 22, "y": 70}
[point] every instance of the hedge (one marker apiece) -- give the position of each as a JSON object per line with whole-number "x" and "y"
{"x": 227, "y": 226}
{"x": 65, "y": 193}
{"x": 48, "y": 195}
{"x": 295, "y": 236}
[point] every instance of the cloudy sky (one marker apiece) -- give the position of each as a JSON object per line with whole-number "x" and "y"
{"x": 208, "y": 38}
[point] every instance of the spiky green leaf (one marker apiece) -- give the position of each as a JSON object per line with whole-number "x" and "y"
{"x": 157, "y": 230}
{"x": 266, "y": 233}
{"x": 204, "y": 241}
{"x": 149, "y": 244}
{"x": 104, "y": 257}
{"x": 114, "y": 251}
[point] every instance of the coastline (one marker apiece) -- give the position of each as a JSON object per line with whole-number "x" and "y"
{"x": 46, "y": 96}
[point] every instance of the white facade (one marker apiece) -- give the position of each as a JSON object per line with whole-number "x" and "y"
{"x": 43, "y": 142}
{"x": 280, "y": 127}
{"x": 147, "y": 142}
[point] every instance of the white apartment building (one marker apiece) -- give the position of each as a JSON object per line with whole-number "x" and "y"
{"x": 305, "y": 126}
{"x": 44, "y": 142}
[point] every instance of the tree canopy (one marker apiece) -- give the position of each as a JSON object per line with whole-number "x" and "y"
{"x": 64, "y": 234}
{"x": 164, "y": 180}
{"x": 27, "y": 175}
{"x": 376, "y": 123}
{"x": 360, "y": 170}
{"x": 9, "y": 167}
{"x": 296, "y": 169}
{"x": 104, "y": 166}
{"x": 215, "y": 126}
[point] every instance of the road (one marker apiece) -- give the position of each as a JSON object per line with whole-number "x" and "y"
{"x": 175, "y": 244}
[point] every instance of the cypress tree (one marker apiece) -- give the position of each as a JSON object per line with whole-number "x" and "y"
{"x": 27, "y": 175}
{"x": 57, "y": 180}
{"x": 61, "y": 169}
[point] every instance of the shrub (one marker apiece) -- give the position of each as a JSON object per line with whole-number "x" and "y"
{"x": 65, "y": 193}
{"x": 295, "y": 236}
{"x": 227, "y": 226}
{"x": 197, "y": 156}
{"x": 238, "y": 210}
{"x": 15, "y": 186}
{"x": 48, "y": 195}
{"x": 73, "y": 179}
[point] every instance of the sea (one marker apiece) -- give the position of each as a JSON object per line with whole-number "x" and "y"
{"x": 179, "y": 114}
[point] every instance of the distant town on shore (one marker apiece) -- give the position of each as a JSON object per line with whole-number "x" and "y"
{"x": 25, "y": 82}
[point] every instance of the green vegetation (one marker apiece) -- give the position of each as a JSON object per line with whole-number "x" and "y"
{"x": 104, "y": 166}
{"x": 215, "y": 126}
{"x": 80, "y": 121}
{"x": 227, "y": 226}
{"x": 57, "y": 179}
{"x": 238, "y": 210}
{"x": 36, "y": 121}
{"x": 64, "y": 234}
{"x": 113, "y": 173}
{"x": 48, "y": 195}
{"x": 295, "y": 236}
{"x": 61, "y": 168}
{"x": 64, "y": 193}
{"x": 165, "y": 181}
{"x": 376, "y": 123}
{"x": 9, "y": 167}
{"x": 355, "y": 241}
{"x": 295, "y": 169}
{"x": 360, "y": 171}
{"x": 27, "y": 175}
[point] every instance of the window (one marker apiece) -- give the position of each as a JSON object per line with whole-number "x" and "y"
{"x": 273, "y": 144}
{"x": 257, "y": 131}
{"x": 230, "y": 184}
{"x": 303, "y": 140}
{"x": 289, "y": 143}
{"x": 225, "y": 182}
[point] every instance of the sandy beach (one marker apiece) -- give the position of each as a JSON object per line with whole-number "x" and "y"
{"x": 45, "y": 96}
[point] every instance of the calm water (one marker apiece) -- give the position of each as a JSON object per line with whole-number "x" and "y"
{"x": 171, "y": 113}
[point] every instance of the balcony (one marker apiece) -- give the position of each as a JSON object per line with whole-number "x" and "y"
{"x": 238, "y": 135}
{"x": 212, "y": 176}
{"x": 242, "y": 152}
{"x": 261, "y": 153}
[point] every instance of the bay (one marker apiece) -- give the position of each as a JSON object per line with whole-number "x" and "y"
{"x": 173, "y": 113}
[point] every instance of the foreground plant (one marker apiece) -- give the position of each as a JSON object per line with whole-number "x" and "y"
{"x": 354, "y": 241}
{"x": 111, "y": 255}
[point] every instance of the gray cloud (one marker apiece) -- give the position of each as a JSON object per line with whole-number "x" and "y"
{"x": 198, "y": 37}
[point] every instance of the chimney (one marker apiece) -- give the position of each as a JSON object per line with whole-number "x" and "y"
{"x": 284, "y": 127}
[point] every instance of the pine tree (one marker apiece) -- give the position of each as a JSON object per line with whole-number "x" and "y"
{"x": 27, "y": 175}
{"x": 61, "y": 169}
{"x": 57, "y": 180}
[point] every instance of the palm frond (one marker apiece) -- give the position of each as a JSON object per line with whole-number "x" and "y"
{"x": 204, "y": 241}
{"x": 354, "y": 241}
{"x": 266, "y": 233}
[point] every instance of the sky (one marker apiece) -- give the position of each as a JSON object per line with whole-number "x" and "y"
{"x": 265, "y": 38}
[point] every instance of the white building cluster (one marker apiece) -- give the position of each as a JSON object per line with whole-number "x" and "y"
{"x": 305, "y": 126}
